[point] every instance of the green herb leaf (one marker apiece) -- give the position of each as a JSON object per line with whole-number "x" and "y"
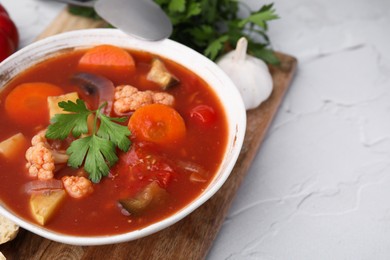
{"x": 118, "y": 134}
{"x": 193, "y": 9}
{"x": 97, "y": 151}
{"x": 83, "y": 11}
{"x": 260, "y": 18}
{"x": 78, "y": 150}
{"x": 177, "y": 5}
{"x": 64, "y": 124}
{"x": 99, "y": 155}
{"x": 215, "y": 47}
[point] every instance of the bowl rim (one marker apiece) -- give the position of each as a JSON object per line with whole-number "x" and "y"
{"x": 163, "y": 47}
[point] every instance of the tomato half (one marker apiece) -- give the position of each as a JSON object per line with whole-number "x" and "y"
{"x": 203, "y": 115}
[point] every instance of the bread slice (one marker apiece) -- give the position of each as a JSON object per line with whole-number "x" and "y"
{"x": 8, "y": 230}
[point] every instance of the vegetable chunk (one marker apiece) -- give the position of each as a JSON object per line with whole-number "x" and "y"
{"x": 10, "y": 147}
{"x": 151, "y": 195}
{"x": 44, "y": 205}
{"x": 160, "y": 75}
{"x": 129, "y": 98}
{"x": 27, "y": 103}
{"x": 107, "y": 60}
{"x": 77, "y": 186}
{"x": 54, "y": 100}
{"x": 157, "y": 123}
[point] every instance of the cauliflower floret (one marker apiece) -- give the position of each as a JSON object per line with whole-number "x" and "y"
{"x": 129, "y": 98}
{"x": 163, "y": 98}
{"x": 41, "y": 159}
{"x": 40, "y": 162}
{"x": 76, "y": 186}
{"x": 39, "y": 138}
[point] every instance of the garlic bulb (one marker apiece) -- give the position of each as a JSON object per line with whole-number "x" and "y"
{"x": 249, "y": 74}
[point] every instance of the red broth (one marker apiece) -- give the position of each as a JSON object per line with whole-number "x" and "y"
{"x": 99, "y": 213}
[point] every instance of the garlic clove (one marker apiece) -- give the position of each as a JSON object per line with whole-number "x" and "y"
{"x": 250, "y": 75}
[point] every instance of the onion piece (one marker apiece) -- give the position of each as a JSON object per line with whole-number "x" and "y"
{"x": 190, "y": 166}
{"x": 96, "y": 85}
{"x": 60, "y": 157}
{"x": 42, "y": 186}
{"x": 196, "y": 177}
{"x": 198, "y": 173}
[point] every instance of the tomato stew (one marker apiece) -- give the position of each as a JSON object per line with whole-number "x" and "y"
{"x": 149, "y": 182}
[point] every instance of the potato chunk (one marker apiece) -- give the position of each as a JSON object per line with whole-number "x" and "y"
{"x": 10, "y": 147}
{"x": 53, "y": 103}
{"x": 44, "y": 205}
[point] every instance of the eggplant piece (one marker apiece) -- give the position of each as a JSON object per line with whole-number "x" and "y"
{"x": 96, "y": 85}
{"x": 150, "y": 196}
{"x": 160, "y": 75}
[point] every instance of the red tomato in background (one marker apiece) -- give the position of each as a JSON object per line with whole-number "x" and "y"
{"x": 9, "y": 36}
{"x": 2, "y": 10}
{"x": 6, "y": 46}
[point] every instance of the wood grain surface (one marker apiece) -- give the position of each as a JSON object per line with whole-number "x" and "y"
{"x": 192, "y": 237}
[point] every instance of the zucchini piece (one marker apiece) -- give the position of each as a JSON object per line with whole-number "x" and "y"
{"x": 160, "y": 75}
{"x": 150, "y": 196}
{"x": 44, "y": 205}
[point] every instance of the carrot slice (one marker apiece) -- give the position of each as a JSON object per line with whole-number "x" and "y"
{"x": 107, "y": 60}
{"x": 157, "y": 123}
{"x": 27, "y": 103}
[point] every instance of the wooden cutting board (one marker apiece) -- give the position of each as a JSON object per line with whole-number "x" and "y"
{"x": 190, "y": 238}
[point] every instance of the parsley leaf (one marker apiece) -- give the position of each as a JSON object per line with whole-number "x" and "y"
{"x": 99, "y": 154}
{"x": 78, "y": 150}
{"x": 98, "y": 150}
{"x": 114, "y": 132}
{"x": 215, "y": 47}
{"x": 64, "y": 124}
{"x": 177, "y": 5}
{"x": 83, "y": 11}
{"x": 260, "y": 18}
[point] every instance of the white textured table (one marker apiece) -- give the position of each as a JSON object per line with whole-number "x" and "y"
{"x": 320, "y": 185}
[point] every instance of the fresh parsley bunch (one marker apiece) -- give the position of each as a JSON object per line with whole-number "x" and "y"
{"x": 98, "y": 150}
{"x": 213, "y": 27}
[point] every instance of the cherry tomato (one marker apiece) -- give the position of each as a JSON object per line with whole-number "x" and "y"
{"x": 203, "y": 115}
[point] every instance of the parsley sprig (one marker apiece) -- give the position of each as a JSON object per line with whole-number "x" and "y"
{"x": 98, "y": 150}
{"x": 213, "y": 27}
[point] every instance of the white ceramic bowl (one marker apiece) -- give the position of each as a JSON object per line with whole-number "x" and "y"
{"x": 206, "y": 69}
